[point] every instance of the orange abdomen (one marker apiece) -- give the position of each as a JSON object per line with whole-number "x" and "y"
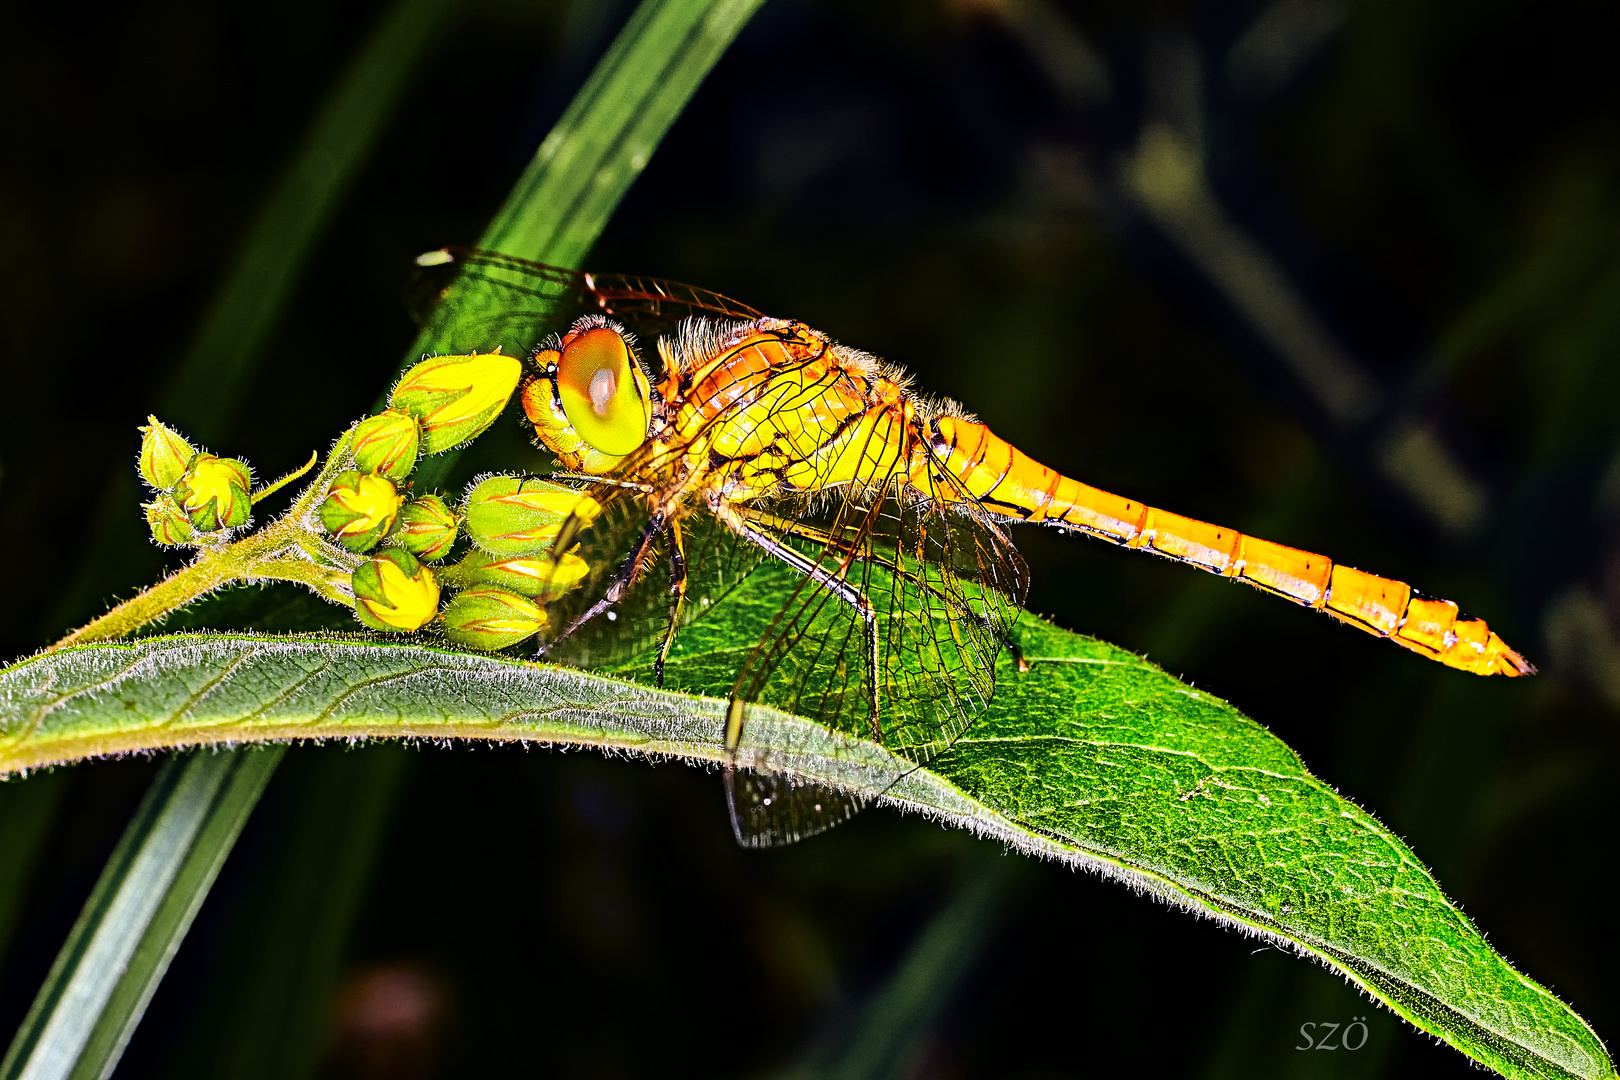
{"x": 1011, "y": 485}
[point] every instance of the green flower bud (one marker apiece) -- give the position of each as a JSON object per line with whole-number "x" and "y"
{"x": 386, "y": 444}
{"x": 213, "y": 491}
{"x": 169, "y": 524}
{"x": 360, "y": 509}
{"x": 394, "y": 592}
{"x": 491, "y": 619}
{"x": 538, "y": 576}
{"x": 456, "y": 397}
{"x": 511, "y": 515}
{"x": 427, "y": 528}
{"x": 164, "y": 455}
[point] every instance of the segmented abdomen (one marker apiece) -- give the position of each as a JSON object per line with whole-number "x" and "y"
{"x": 1009, "y": 484}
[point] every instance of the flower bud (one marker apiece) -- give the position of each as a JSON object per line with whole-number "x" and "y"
{"x": 164, "y": 455}
{"x": 427, "y": 528}
{"x": 360, "y": 509}
{"x": 456, "y": 397}
{"x": 540, "y": 576}
{"x": 169, "y": 524}
{"x": 386, "y": 444}
{"x": 392, "y": 591}
{"x": 214, "y": 492}
{"x": 511, "y": 515}
{"x": 491, "y": 619}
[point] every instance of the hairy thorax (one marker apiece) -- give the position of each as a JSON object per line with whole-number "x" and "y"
{"x": 772, "y": 407}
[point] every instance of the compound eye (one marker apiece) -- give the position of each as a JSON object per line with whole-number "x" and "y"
{"x": 603, "y": 393}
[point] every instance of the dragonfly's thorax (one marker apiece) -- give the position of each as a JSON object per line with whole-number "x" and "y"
{"x": 752, "y": 409}
{"x": 771, "y": 406}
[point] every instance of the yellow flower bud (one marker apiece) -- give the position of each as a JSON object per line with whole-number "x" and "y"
{"x": 214, "y": 492}
{"x": 169, "y": 524}
{"x": 427, "y": 528}
{"x": 491, "y": 619}
{"x": 386, "y": 444}
{"x": 394, "y": 592}
{"x": 456, "y": 397}
{"x": 529, "y": 575}
{"x": 164, "y": 455}
{"x": 513, "y": 515}
{"x": 360, "y": 509}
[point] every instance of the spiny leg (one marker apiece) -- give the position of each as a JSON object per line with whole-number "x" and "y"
{"x": 677, "y": 591}
{"x": 621, "y": 580}
{"x": 604, "y": 480}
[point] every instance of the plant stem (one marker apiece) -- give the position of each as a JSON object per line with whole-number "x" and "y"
{"x": 207, "y": 573}
{"x": 270, "y": 554}
{"x": 284, "y": 550}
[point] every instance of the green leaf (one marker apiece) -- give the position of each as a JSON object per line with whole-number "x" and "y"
{"x": 1094, "y": 757}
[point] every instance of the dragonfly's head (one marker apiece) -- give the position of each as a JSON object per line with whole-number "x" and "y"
{"x": 588, "y": 397}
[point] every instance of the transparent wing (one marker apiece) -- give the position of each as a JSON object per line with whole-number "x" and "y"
{"x": 504, "y": 301}
{"x": 890, "y": 634}
{"x": 941, "y": 585}
{"x": 896, "y": 609}
{"x": 770, "y": 808}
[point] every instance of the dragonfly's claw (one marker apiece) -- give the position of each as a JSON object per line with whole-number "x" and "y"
{"x": 1017, "y": 653}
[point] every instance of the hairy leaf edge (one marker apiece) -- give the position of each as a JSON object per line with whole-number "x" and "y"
{"x": 620, "y": 717}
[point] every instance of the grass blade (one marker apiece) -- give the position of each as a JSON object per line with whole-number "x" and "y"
{"x": 27, "y": 812}
{"x": 280, "y": 962}
{"x": 86, "y": 1011}
{"x": 602, "y": 142}
{"x": 137, "y": 915}
{"x": 160, "y": 874}
{"x": 894, "y": 1023}
{"x": 610, "y": 130}
{"x": 230, "y": 347}
{"x": 554, "y": 214}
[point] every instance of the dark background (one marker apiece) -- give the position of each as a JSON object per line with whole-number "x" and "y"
{"x": 1421, "y": 198}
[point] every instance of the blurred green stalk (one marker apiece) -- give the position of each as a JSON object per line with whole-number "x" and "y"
{"x": 138, "y": 914}
{"x": 169, "y": 856}
{"x": 894, "y": 1023}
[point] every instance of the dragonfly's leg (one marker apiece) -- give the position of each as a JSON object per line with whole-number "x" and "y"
{"x": 677, "y": 591}
{"x": 604, "y": 480}
{"x": 855, "y": 549}
{"x": 621, "y": 580}
{"x": 840, "y": 588}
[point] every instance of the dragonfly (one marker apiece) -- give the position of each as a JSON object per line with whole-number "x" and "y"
{"x": 719, "y": 443}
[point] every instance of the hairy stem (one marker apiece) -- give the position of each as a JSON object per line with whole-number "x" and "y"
{"x": 210, "y": 570}
{"x": 284, "y": 550}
